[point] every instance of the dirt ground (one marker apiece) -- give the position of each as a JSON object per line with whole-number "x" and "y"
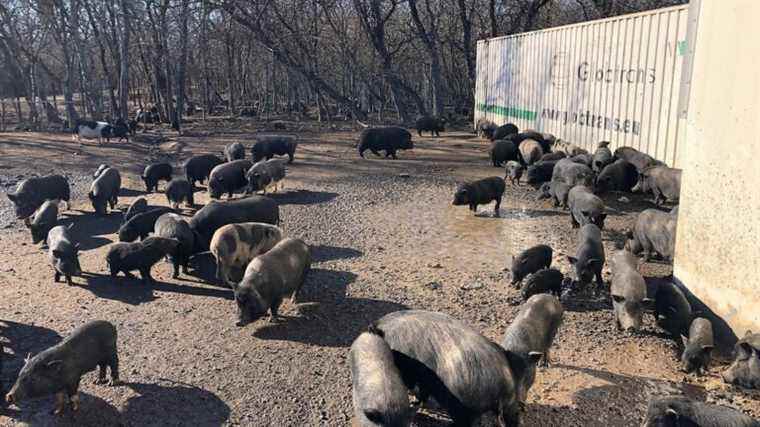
{"x": 384, "y": 236}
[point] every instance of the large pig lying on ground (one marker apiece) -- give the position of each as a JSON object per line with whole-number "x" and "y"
{"x": 105, "y": 191}
{"x": 215, "y": 215}
{"x": 271, "y": 277}
{"x": 140, "y": 256}
{"x": 480, "y": 192}
{"x": 198, "y": 168}
{"x": 698, "y": 346}
{"x": 228, "y": 178}
{"x": 617, "y": 176}
{"x": 745, "y": 370}
{"x": 388, "y": 139}
{"x": 443, "y": 358}
{"x": 663, "y": 182}
{"x": 31, "y": 193}
{"x": 589, "y": 256}
{"x": 628, "y": 291}
{"x": 585, "y": 207}
{"x": 530, "y": 336}
{"x": 59, "y": 369}
{"x": 44, "y": 218}
{"x": 235, "y": 245}
{"x": 173, "y": 226}
{"x": 379, "y": 395}
{"x": 676, "y": 411}
{"x": 63, "y": 254}
{"x": 653, "y": 234}
{"x": 268, "y": 146}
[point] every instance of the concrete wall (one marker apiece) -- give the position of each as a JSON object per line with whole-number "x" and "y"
{"x": 718, "y": 244}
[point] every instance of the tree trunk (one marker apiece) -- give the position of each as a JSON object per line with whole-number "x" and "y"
{"x": 467, "y": 47}
{"x": 204, "y": 57}
{"x": 429, "y": 38}
{"x": 180, "y": 107}
{"x": 124, "y": 61}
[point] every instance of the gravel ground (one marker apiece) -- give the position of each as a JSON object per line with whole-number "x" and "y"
{"x": 384, "y": 236}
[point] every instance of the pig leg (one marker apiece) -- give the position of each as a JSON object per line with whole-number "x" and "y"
{"x": 573, "y": 222}
{"x": 127, "y": 274}
{"x": 175, "y": 274}
{"x": 273, "y": 309}
{"x": 599, "y": 280}
{"x": 375, "y": 152}
{"x": 101, "y": 374}
{"x": 474, "y": 208}
{"x": 496, "y": 208}
{"x": 60, "y": 403}
{"x": 113, "y": 364}
{"x": 545, "y": 359}
{"x": 68, "y": 280}
{"x": 57, "y": 277}
{"x": 145, "y": 274}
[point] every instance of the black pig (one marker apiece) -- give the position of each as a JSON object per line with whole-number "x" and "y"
{"x": 228, "y": 178}
{"x": 379, "y": 395}
{"x": 467, "y": 374}
{"x": 31, "y": 193}
{"x": 388, "y": 139}
{"x": 529, "y": 261}
{"x": 63, "y": 254}
{"x": 59, "y": 369}
{"x": 589, "y": 256}
{"x": 154, "y": 173}
{"x": 44, "y": 218}
{"x": 198, "y": 168}
{"x": 179, "y": 190}
{"x": 105, "y": 191}
{"x": 434, "y": 125}
{"x": 698, "y": 346}
{"x": 140, "y": 225}
{"x": 141, "y": 256}
{"x": 480, "y": 192}
{"x": 268, "y": 146}
{"x": 270, "y": 277}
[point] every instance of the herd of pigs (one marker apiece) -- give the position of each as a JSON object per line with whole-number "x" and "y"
{"x": 436, "y": 358}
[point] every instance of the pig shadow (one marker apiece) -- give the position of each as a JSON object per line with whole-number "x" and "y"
{"x": 135, "y": 292}
{"x": 93, "y": 411}
{"x": 322, "y": 253}
{"x": 302, "y": 197}
{"x": 327, "y": 317}
{"x": 203, "y": 268}
{"x": 129, "y": 192}
{"x": 633, "y": 390}
{"x": 188, "y": 402}
{"x": 22, "y": 340}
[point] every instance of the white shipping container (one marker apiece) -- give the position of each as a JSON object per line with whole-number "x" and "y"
{"x": 615, "y": 79}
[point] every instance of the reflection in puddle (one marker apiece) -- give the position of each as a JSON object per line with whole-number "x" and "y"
{"x": 456, "y": 237}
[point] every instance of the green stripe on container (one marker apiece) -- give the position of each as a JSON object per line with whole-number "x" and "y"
{"x": 517, "y": 113}
{"x": 682, "y": 47}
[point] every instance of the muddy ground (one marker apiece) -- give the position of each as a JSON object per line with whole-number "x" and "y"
{"x": 384, "y": 236}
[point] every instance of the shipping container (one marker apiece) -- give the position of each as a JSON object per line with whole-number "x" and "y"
{"x": 615, "y": 79}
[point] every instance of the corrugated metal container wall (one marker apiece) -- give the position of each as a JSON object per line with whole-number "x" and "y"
{"x": 614, "y": 79}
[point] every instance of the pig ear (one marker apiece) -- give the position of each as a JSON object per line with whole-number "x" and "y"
{"x": 618, "y": 298}
{"x": 572, "y": 260}
{"x": 534, "y": 357}
{"x": 13, "y": 197}
{"x": 647, "y": 302}
{"x": 684, "y": 340}
{"x": 27, "y": 222}
{"x": 76, "y": 246}
{"x": 707, "y": 348}
{"x": 90, "y": 195}
{"x": 603, "y": 216}
{"x": 593, "y": 261}
{"x": 671, "y": 413}
{"x": 747, "y": 334}
{"x": 57, "y": 253}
